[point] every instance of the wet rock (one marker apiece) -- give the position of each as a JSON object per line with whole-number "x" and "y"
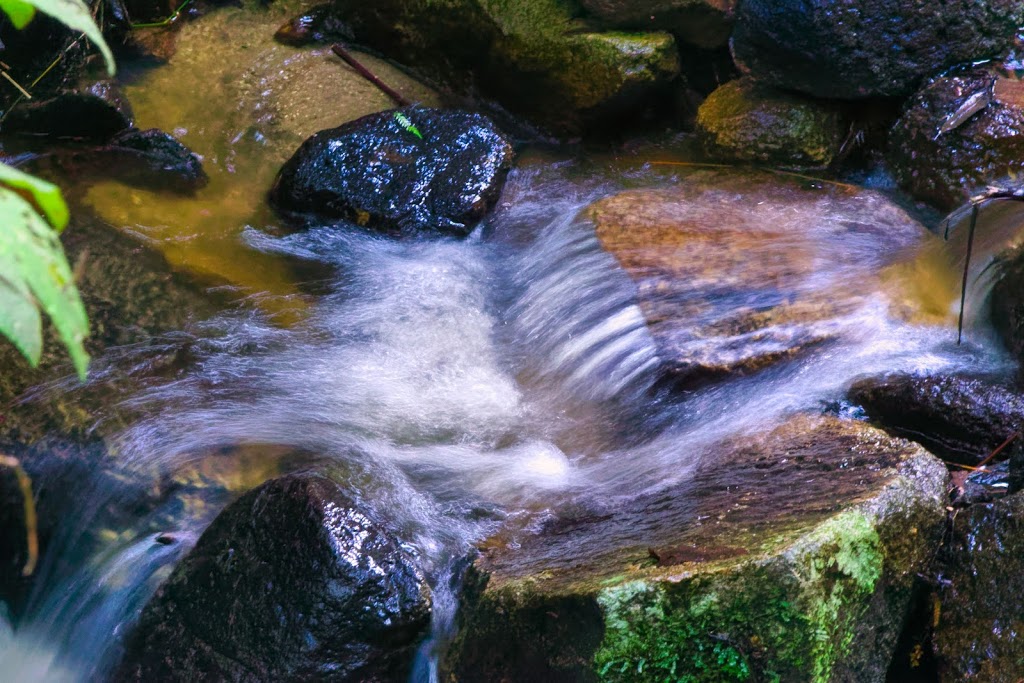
{"x": 961, "y": 418}
{"x": 743, "y": 121}
{"x": 95, "y": 113}
{"x": 148, "y": 159}
{"x": 704, "y": 23}
{"x": 982, "y": 599}
{"x": 153, "y": 158}
{"x": 789, "y": 556}
{"x": 866, "y": 48}
{"x": 319, "y": 24}
{"x": 739, "y": 270}
{"x": 983, "y": 485}
{"x": 291, "y": 582}
{"x": 533, "y": 58}
{"x": 407, "y": 170}
{"x": 958, "y": 133}
{"x": 1008, "y": 303}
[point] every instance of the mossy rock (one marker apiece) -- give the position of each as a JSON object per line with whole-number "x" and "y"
{"x": 704, "y": 23}
{"x": 532, "y": 57}
{"x": 790, "y": 558}
{"x": 744, "y": 121}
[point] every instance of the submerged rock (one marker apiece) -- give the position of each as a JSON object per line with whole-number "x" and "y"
{"x": 291, "y": 582}
{"x": 148, "y": 159}
{"x": 532, "y": 57}
{"x": 962, "y": 418}
{"x": 743, "y": 121}
{"x": 866, "y": 48}
{"x": 982, "y": 598}
{"x": 958, "y": 133}
{"x": 319, "y": 24}
{"x": 738, "y": 270}
{"x": 704, "y": 23}
{"x": 789, "y": 556}
{"x": 405, "y": 170}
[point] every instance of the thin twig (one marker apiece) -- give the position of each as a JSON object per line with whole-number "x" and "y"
{"x": 31, "y": 534}
{"x": 967, "y": 265}
{"x": 395, "y": 96}
{"x": 25, "y": 93}
{"x": 999, "y": 449}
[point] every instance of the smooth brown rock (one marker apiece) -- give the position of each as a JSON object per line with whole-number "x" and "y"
{"x": 738, "y": 270}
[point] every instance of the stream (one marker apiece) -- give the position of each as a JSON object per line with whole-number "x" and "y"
{"x": 464, "y": 387}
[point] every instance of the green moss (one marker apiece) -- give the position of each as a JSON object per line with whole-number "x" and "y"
{"x": 792, "y": 619}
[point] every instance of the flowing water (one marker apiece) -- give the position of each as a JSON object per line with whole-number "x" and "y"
{"x": 461, "y": 386}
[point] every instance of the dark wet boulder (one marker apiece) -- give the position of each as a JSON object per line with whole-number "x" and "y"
{"x": 405, "y": 170}
{"x": 977, "y": 637}
{"x": 788, "y": 556}
{"x": 535, "y": 58}
{"x": 866, "y": 48}
{"x": 704, "y": 23}
{"x": 734, "y": 269}
{"x": 962, "y": 418}
{"x": 95, "y": 113}
{"x": 291, "y": 582}
{"x": 744, "y": 121}
{"x": 958, "y": 133}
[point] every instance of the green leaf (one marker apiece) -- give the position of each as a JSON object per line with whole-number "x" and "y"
{"x": 33, "y": 262}
{"x": 46, "y": 195}
{"x": 19, "y": 12}
{"x": 20, "y": 321}
{"x": 75, "y": 15}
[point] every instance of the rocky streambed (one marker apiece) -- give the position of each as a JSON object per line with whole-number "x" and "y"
{"x": 392, "y": 392}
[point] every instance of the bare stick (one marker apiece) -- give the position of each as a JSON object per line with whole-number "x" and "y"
{"x": 967, "y": 265}
{"x": 999, "y": 449}
{"x": 395, "y": 96}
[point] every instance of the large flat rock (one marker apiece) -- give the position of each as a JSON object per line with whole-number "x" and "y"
{"x": 789, "y": 556}
{"x": 736, "y": 270}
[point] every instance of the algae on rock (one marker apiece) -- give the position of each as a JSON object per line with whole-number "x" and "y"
{"x": 532, "y": 57}
{"x": 744, "y": 121}
{"x": 803, "y": 571}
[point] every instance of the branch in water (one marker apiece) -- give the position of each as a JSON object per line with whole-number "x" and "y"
{"x": 395, "y": 96}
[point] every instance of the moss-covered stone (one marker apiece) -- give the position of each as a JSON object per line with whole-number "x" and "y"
{"x": 808, "y": 579}
{"x": 531, "y": 56}
{"x": 704, "y": 23}
{"x": 746, "y": 122}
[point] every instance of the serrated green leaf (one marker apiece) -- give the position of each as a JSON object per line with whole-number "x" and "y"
{"x": 34, "y": 260}
{"x": 46, "y": 195}
{"x": 75, "y": 15}
{"x": 18, "y": 11}
{"x": 21, "y": 323}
